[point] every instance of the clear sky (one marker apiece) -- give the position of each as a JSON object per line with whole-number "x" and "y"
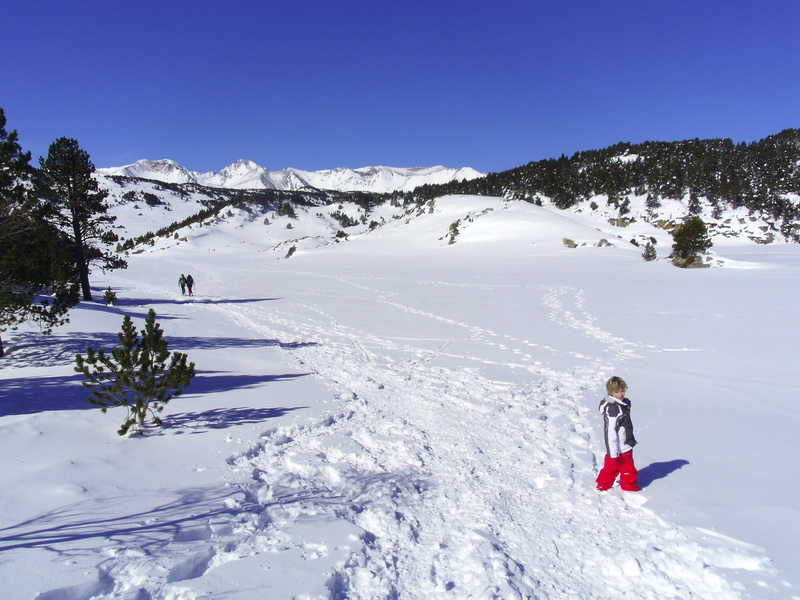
{"x": 319, "y": 84}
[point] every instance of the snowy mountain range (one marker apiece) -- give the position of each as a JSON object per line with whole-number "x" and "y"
{"x": 245, "y": 174}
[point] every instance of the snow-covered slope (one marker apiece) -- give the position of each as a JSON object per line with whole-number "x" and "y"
{"x": 382, "y": 179}
{"x": 407, "y": 410}
{"x": 244, "y": 174}
{"x": 640, "y": 224}
{"x": 160, "y": 170}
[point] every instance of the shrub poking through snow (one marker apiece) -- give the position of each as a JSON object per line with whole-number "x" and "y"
{"x": 135, "y": 375}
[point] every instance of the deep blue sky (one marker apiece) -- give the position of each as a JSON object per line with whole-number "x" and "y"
{"x": 319, "y": 84}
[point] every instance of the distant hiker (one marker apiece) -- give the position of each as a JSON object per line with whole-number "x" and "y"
{"x": 182, "y": 283}
{"x": 618, "y": 434}
{"x": 189, "y": 283}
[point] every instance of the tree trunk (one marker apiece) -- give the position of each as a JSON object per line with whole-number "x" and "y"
{"x": 87, "y": 290}
{"x": 2, "y": 352}
{"x": 83, "y": 266}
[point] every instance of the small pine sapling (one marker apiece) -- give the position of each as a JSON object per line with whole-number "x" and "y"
{"x": 649, "y": 253}
{"x": 135, "y": 375}
{"x": 109, "y": 296}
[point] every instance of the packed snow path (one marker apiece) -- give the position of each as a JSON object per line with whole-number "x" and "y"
{"x": 465, "y": 484}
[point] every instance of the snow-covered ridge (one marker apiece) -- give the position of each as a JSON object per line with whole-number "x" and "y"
{"x": 245, "y": 174}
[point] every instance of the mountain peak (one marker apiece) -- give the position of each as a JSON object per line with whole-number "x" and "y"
{"x": 246, "y": 174}
{"x": 164, "y": 169}
{"x": 243, "y": 164}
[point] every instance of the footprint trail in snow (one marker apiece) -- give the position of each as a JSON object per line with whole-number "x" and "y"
{"x": 464, "y": 483}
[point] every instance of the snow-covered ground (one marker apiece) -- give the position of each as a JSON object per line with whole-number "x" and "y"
{"x": 400, "y": 417}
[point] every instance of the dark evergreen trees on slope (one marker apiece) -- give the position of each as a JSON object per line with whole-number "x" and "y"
{"x": 34, "y": 282}
{"x": 757, "y": 176}
{"x": 15, "y": 174}
{"x": 77, "y": 206}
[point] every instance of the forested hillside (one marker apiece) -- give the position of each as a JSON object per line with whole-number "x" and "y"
{"x": 705, "y": 176}
{"x": 761, "y": 176}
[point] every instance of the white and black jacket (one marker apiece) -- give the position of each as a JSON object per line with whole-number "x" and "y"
{"x": 617, "y": 425}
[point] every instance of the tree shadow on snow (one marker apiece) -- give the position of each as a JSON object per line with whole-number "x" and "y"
{"x": 28, "y": 395}
{"x": 173, "y": 298}
{"x": 33, "y": 349}
{"x": 219, "y": 418}
{"x": 148, "y": 302}
{"x": 216, "y": 343}
{"x": 127, "y": 307}
{"x": 659, "y": 470}
{"x": 90, "y": 527}
{"x": 210, "y": 382}
{"x": 119, "y": 310}
{"x": 184, "y": 518}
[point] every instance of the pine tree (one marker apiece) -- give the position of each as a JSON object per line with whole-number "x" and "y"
{"x": 109, "y": 296}
{"x": 136, "y": 374}
{"x": 77, "y": 206}
{"x": 649, "y": 253}
{"x": 33, "y": 274}
{"x": 690, "y": 239}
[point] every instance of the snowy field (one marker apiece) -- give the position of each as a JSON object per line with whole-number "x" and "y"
{"x": 398, "y": 417}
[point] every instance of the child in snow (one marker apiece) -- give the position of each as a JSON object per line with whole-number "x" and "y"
{"x": 618, "y": 434}
{"x": 182, "y": 283}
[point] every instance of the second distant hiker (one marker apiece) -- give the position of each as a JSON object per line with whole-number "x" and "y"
{"x": 189, "y": 283}
{"x": 182, "y": 283}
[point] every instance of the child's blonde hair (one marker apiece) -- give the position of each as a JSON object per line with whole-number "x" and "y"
{"x": 616, "y": 384}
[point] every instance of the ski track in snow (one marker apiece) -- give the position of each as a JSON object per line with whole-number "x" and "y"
{"x": 464, "y": 486}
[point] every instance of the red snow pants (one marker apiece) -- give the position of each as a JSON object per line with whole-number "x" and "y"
{"x": 622, "y": 466}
